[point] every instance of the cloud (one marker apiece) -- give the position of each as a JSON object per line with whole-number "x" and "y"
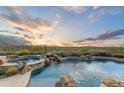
{"x": 111, "y": 35}
{"x": 95, "y": 7}
{"x": 12, "y": 40}
{"x": 58, "y": 16}
{"x": 98, "y": 12}
{"x": 22, "y": 20}
{"x": 104, "y": 36}
{"x": 75, "y": 9}
{"x": 31, "y": 29}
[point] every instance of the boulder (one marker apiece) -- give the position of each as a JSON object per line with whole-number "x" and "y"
{"x": 85, "y": 57}
{"x": 20, "y": 65}
{"x": 46, "y": 62}
{"x": 52, "y": 57}
{"x": 112, "y": 82}
{"x": 23, "y": 67}
{"x": 66, "y": 81}
{"x": 82, "y": 56}
{"x": 1, "y": 62}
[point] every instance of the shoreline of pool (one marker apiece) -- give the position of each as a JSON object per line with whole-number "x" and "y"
{"x": 24, "y": 79}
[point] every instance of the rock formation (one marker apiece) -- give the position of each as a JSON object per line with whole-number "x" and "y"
{"x": 23, "y": 67}
{"x": 111, "y": 82}
{"x": 1, "y": 62}
{"x": 52, "y": 57}
{"x": 66, "y": 81}
{"x": 46, "y": 62}
{"x": 85, "y": 57}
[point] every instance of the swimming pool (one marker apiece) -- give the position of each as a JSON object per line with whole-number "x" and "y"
{"x": 28, "y": 59}
{"x": 86, "y": 73}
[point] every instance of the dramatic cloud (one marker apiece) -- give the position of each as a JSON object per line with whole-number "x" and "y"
{"x": 12, "y": 40}
{"x": 21, "y": 20}
{"x": 75, "y": 9}
{"x": 110, "y": 35}
{"x": 104, "y": 36}
{"x": 32, "y": 28}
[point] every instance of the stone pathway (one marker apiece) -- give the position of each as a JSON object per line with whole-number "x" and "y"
{"x": 19, "y": 80}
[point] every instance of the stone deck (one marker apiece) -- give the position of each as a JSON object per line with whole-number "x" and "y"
{"x": 19, "y": 80}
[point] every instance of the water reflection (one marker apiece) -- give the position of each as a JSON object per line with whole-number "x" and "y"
{"x": 86, "y": 73}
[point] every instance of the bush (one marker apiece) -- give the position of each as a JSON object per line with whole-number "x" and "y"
{"x": 23, "y": 52}
{"x": 2, "y": 72}
{"x": 118, "y": 55}
{"x": 101, "y": 54}
{"x": 11, "y": 71}
{"x": 58, "y": 53}
{"x": 85, "y": 49}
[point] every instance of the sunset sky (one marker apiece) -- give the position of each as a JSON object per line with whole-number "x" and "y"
{"x": 62, "y": 26}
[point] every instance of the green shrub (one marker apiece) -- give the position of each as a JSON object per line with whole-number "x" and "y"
{"x": 2, "y": 72}
{"x": 58, "y": 53}
{"x": 11, "y": 71}
{"x": 85, "y": 49}
{"x": 102, "y": 54}
{"x": 118, "y": 55}
{"x": 23, "y": 52}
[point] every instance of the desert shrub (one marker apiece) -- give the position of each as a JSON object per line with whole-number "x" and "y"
{"x": 59, "y": 53}
{"x": 101, "y": 54}
{"x": 67, "y": 53}
{"x": 85, "y": 49}
{"x": 1, "y": 62}
{"x": 2, "y": 72}
{"x": 23, "y": 52}
{"x": 118, "y": 55}
{"x": 11, "y": 71}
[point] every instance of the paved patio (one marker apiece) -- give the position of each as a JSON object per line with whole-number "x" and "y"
{"x": 19, "y": 80}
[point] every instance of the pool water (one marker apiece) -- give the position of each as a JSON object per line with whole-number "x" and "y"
{"x": 28, "y": 60}
{"x": 85, "y": 73}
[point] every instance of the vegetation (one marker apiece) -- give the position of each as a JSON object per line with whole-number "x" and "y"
{"x": 118, "y": 55}
{"x": 23, "y": 52}
{"x": 2, "y": 72}
{"x": 11, "y": 71}
{"x": 63, "y": 51}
